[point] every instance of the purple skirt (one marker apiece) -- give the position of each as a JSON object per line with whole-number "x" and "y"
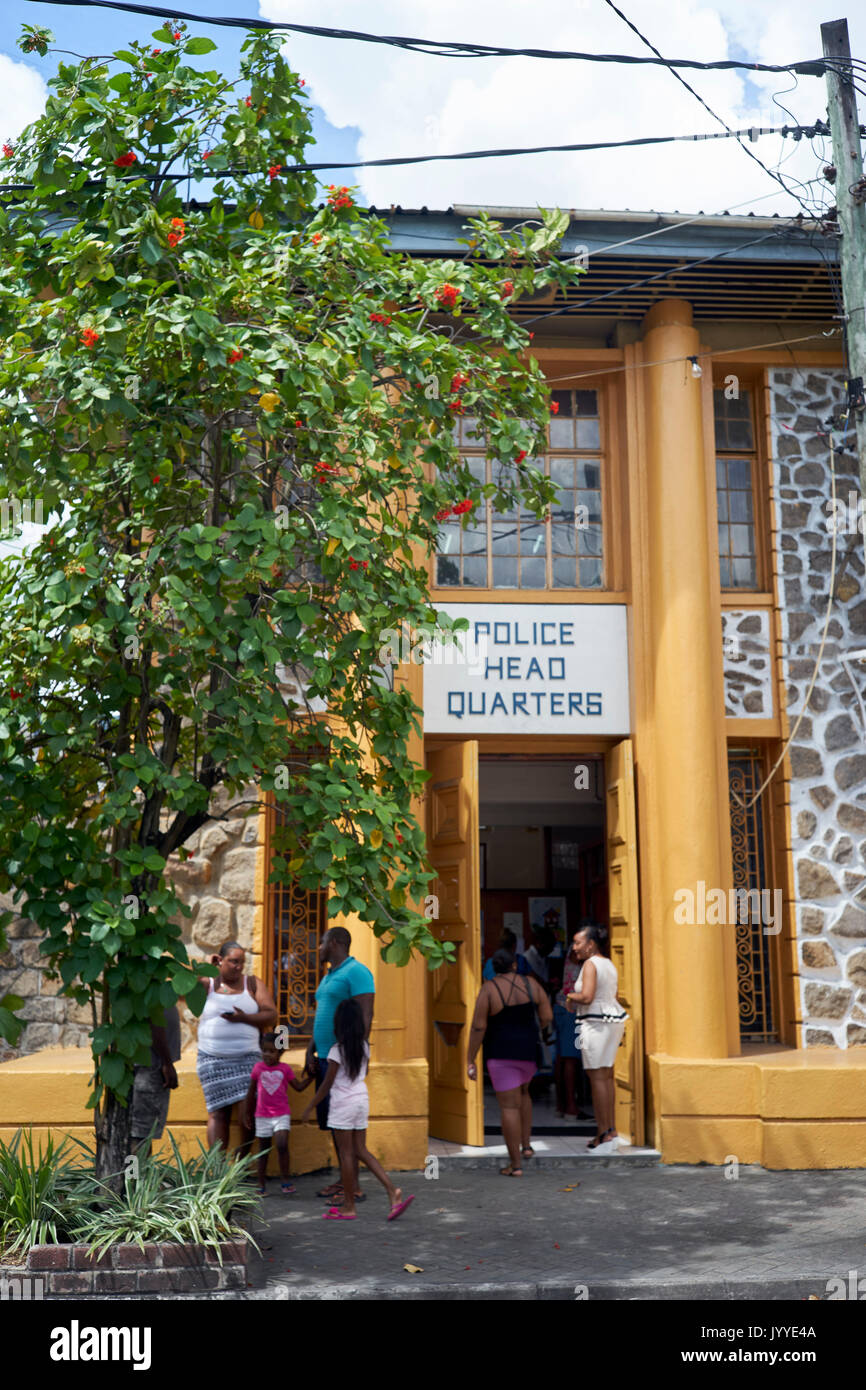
{"x": 506, "y": 1074}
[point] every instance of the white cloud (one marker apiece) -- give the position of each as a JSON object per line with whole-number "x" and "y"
{"x": 405, "y": 103}
{"x": 22, "y": 96}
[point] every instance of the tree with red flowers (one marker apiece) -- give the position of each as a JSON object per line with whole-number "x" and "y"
{"x": 239, "y": 419}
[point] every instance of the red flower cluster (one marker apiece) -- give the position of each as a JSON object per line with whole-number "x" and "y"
{"x": 179, "y": 231}
{"x": 123, "y": 161}
{"x": 302, "y": 82}
{"x": 339, "y": 197}
{"x": 155, "y": 478}
{"x": 316, "y": 238}
{"x": 176, "y": 35}
{"x": 207, "y": 154}
{"x": 521, "y": 456}
{"x": 248, "y": 101}
{"x": 507, "y": 288}
{"x": 458, "y": 381}
{"x": 447, "y": 295}
{"x": 273, "y": 171}
{"x": 320, "y": 469}
{"x": 357, "y": 564}
{"x": 445, "y": 512}
{"x": 380, "y": 318}
{"x": 465, "y": 506}
{"x": 554, "y": 407}
{"x": 8, "y": 151}
{"x": 156, "y": 52}
{"x": 89, "y": 337}
{"x": 235, "y": 355}
{"x": 457, "y": 407}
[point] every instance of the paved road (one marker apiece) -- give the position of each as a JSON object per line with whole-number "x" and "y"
{"x": 651, "y": 1233}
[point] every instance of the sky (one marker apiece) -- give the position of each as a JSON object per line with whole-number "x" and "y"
{"x": 371, "y": 101}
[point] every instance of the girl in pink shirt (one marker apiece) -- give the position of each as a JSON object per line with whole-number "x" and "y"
{"x": 269, "y": 1090}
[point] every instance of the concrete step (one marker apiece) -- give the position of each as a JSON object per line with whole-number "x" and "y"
{"x": 550, "y": 1152}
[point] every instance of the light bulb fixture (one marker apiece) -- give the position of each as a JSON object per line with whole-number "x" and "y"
{"x": 697, "y": 369}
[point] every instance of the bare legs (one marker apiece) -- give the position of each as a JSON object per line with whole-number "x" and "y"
{"x": 352, "y": 1150}
{"x": 281, "y": 1143}
{"x": 511, "y": 1112}
{"x": 525, "y": 1120}
{"x": 218, "y": 1125}
{"x": 603, "y": 1098}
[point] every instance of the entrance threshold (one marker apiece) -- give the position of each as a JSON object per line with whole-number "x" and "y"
{"x": 550, "y": 1152}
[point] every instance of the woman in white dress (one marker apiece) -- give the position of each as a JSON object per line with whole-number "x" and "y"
{"x": 600, "y": 1025}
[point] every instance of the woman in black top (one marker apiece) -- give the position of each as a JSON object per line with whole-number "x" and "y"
{"x": 505, "y": 1020}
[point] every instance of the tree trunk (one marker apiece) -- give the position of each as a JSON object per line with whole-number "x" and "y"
{"x": 112, "y": 1124}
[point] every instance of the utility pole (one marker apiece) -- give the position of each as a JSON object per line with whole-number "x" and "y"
{"x": 851, "y": 205}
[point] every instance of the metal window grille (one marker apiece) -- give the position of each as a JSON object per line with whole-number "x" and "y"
{"x": 297, "y": 919}
{"x": 748, "y": 843}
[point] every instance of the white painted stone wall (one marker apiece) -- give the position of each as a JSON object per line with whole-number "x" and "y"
{"x": 828, "y": 751}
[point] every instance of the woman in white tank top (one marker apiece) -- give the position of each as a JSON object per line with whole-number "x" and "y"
{"x": 600, "y": 1024}
{"x": 237, "y": 1008}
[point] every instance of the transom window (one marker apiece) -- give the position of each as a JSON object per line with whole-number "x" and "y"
{"x": 736, "y": 462}
{"x": 513, "y": 550}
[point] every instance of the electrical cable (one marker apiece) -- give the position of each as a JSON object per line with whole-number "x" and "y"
{"x": 445, "y": 48}
{"x": 671, "y": 361}
{"x": 705, "y": 105}
{"x": 312, "y": 167}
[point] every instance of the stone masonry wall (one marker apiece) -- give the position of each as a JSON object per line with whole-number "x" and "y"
{"x": 828, "y": 752}
{"x": 218, "y": 883}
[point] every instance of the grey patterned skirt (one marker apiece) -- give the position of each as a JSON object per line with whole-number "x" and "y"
{"x": 225, "y": 1080}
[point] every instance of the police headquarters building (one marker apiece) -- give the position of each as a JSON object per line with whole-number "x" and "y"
{"x": 640, "y": 725}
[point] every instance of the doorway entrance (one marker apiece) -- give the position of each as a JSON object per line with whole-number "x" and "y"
{"x": 531, "y": 841}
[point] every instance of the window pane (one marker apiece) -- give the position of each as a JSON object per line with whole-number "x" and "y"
{"x": 739, "y": 473}
{"x": 446, "y": 572}
{"x": 561, "y": 433}
{"x": 741, "y": 506}
{"x": 590, "y": 574}
{"x": 562, "y": 472}
{"x": 721, "y": 473}
{"x": 723, "y": 504}
{"x": 504, "y": 538}
{"x": 588, "y": 436}
{"x": 475, "y": 572}
{"x": 564, "y": 574}
{"x": 532, "y": 573}
{"x": 742, "y": 540}
{"x": 592, "y": 501}
{"x": 477, "y": 467}
{"x": 562, "y": 539}
{"x": 449, "y": 540}
{"x": 586, "y": 402}
{"x": 744, "y": 574}
{"x": 589, "y": 541}
{"x": 475, "y": 540}
{"x": 725, "y": 572}
{"x": 504, "y": 574}
{"x": 564, "y": 400}
{"x": 588, "y": 473}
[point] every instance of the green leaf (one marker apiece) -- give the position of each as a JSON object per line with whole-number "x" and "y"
{"x": 200, "y": 45}
{"x": 112, "y": 1069}
{"x": 151, "y": 250}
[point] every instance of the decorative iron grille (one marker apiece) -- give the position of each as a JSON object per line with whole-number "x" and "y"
{"x": 748, "y": 841}
{"x": 298, "y": 922}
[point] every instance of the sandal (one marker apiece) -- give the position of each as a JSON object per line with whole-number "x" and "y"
{"x": 399, "y": 1207}
{"x": 333, "y": 1214}
{"x": 600, "y": 1139}
{"x": 336, "y": 1189}
{"x": 528, "y": 1152}
{"x": 288, "y": 1189}
{"x": 341, "y": 1199}
{"x": 510, "y": 1172}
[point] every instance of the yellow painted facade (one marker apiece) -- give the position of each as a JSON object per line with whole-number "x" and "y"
{"x": 703, "y": 1098}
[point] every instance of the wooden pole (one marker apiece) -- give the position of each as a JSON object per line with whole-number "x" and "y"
{"x": 851, "y": 204}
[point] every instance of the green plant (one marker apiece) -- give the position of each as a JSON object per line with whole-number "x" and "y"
{"x": 240, "y": 419}
{"x": 191, "y": 1201}
{"x": 34, "y": 1187}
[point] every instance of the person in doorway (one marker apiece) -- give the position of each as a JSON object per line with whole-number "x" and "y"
{"x": 505, "y": 1020}
{"x": 508, "y": 942}
{"x": 345, "y": 1085}
{"x": 269, "y": 1094}
{"x": 601, "y": 1023}
{"x": 346, "y": 978}
{"x": 543, "y": 942}
{"x": 567, "y": 1053}
{"x": 153, "y": 1084}
{"x": 236, "y": 1010}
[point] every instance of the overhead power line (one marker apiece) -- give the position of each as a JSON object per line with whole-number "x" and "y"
{"x": 752, "y": 133}
{"x": 443, "y": 48}
{"x": 716, "y": 117}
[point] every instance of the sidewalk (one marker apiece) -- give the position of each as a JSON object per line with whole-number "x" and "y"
{"x": 624, "y": 1232}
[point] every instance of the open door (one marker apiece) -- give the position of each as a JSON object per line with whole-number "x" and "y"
{"x": 456, "y": 1103}
{"x": 625, "y": 936}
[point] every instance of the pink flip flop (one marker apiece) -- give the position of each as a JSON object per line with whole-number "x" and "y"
{"x": 399, "y": 1208}
{"x": 334, "y": 1214}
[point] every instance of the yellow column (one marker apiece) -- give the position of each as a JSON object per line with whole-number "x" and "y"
{"x": 685, "y": 703}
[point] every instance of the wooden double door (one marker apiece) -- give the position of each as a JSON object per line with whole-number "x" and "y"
{"x": 456, "y": 1103}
